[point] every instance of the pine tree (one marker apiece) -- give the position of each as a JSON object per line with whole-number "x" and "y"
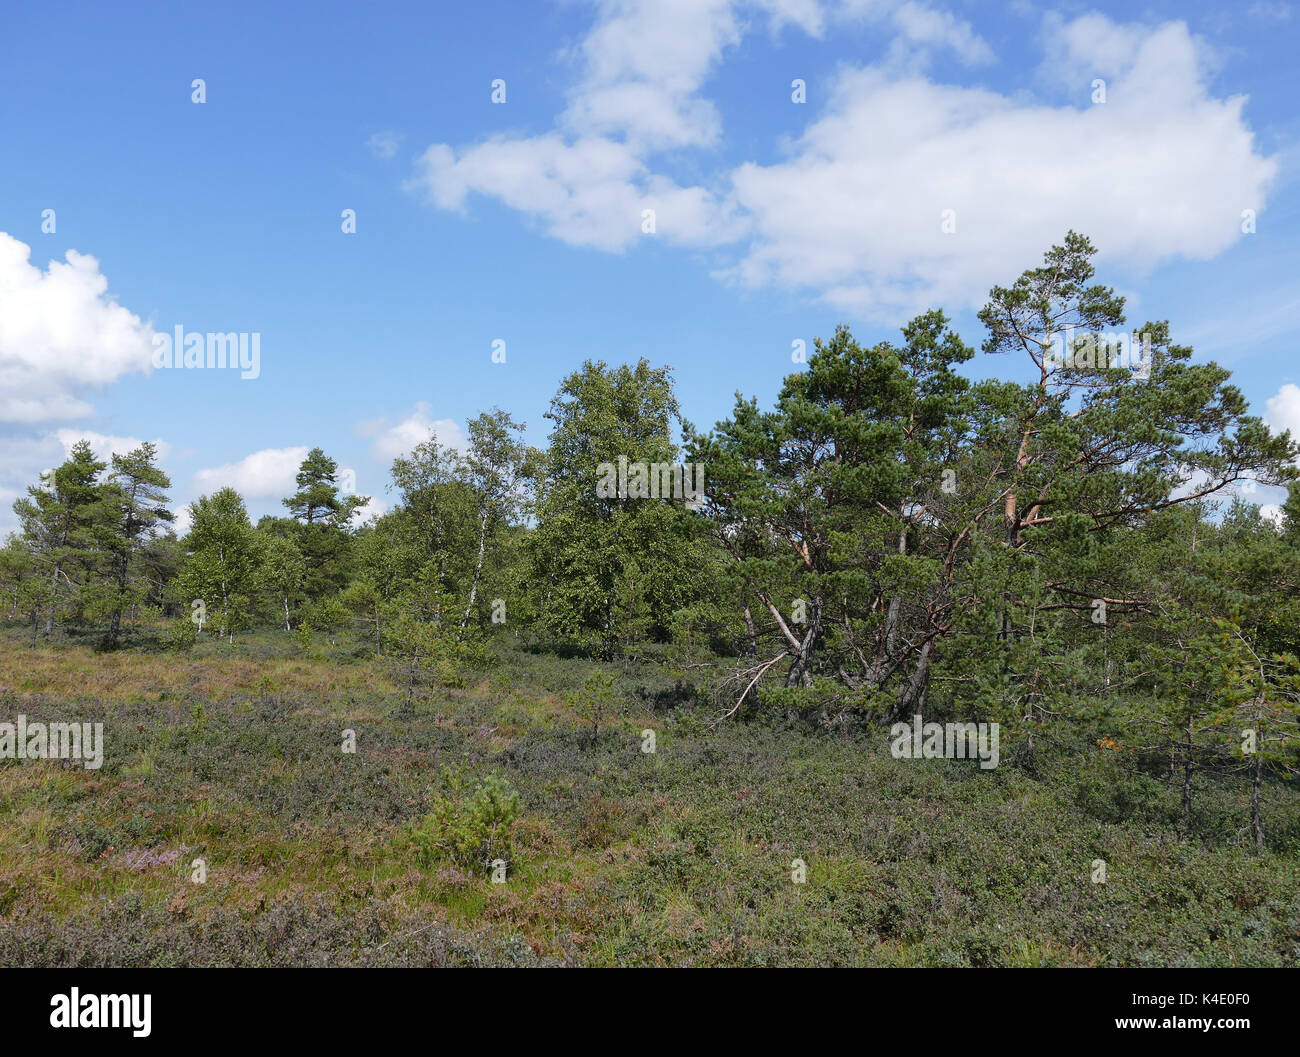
{"x": 58, "y": 517}
{"x": 324, "y": 515}
{"x": 833, "y": 512}
{"x": 135, "y": 509}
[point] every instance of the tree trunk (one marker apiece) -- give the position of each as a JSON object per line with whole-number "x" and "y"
{"x": 478, "y": 568}
{"x": 891, "y": 615}
{"x": 115, "y": 625}
{"x": 1187, "y": 775}
{"x": 124, "y": 565}
{"x": 800, "y": 673}
{"x": 912, "y": 699}
{"x": 54, "y": 598}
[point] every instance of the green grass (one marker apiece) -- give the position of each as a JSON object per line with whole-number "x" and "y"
{"x": 617, "y": 857}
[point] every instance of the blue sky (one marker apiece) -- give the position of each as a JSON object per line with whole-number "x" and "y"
{"x": 523, "y": 221}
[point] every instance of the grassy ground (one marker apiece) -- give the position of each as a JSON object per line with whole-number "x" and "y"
{"x": 680, "y": 857}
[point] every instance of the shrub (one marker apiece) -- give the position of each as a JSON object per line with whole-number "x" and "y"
{"x": 597, "y": 698}
{"x": 467, "y": 828}
{"x": 182, "y": 635}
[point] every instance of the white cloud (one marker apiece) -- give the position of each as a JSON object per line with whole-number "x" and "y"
{"x": 61, "y": 335}
{"x": 852, "y": 214}
{"x": 266, "y": 474}
{"x": 583, "y": 193}
{"x": 105, "y": 446}
{"x": 588, "y": 182}
{"x": 25, "y": 458}
{"x": 1087, "y": 47}
{"x": 1160, "y": 169}
{"x": 1282, "y": 410}
{"x": 806, "y": 14}
{"x": 920, "y": 24}
{"x": 591, "y": 192}
{"x": 1273, "y": 514}
{"x": 390, "y": 440}
{"x": 184, "y": 519}
{"x": 643, "y": 64}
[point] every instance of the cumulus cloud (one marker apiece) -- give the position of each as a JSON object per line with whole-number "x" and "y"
{"x": 1160, "y": 169}
{"x": 269, "y": 475}
{"x": 644, "y": 63}
{"x": 852, "y": 212}
{"x": 105, "y": 446}
{"x": 808, "y": 15}
{"x": 266, "y": 474}
{"x": 392, "y": 439}
{"x": 1273, "y": 514}
{"x": 588, "y": 183}
{"x": 592, "y": 192}
{"x": 1282, "y": 410}
{"x": 61, "y": 335}
{"x": 183, "y": 521}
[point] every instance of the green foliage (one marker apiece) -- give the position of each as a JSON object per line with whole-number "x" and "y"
{"x": 182, "y": 634}
{"x": 133, "y": 514}
{"x": 62, "y": 520}
{"x": 596, "y": 700}
{"x": 327, "y": 616}
{"x": 283, "y": 574}
{"x": 468, "y": 827}
{"x": 609, "y": 572}
{"x": 322, "y": 514}
{"x": 225, "y": 565}
{"x": 1050, "y": 551}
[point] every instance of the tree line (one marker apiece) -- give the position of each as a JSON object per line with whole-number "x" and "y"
{"x": 890, "y": 537}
